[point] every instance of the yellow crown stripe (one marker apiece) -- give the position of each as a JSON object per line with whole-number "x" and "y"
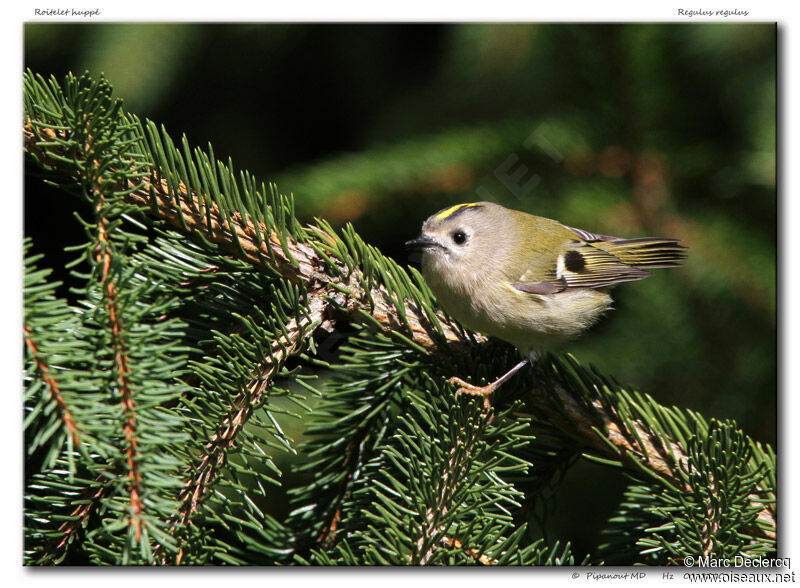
{"x": 448, "y": 211}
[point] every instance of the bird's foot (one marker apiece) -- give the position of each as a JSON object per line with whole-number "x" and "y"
{"x": 485, "y": 391}
{"x": 473, "y": 390}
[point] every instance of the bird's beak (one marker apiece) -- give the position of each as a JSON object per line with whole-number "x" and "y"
{"x": 422, "y": 242}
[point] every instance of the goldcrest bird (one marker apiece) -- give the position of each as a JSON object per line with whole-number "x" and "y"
{"x": 528, "y": 280}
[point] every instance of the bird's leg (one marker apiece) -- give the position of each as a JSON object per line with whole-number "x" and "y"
{"x": 486, "y": 391}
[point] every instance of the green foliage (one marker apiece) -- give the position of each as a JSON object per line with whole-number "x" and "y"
{"x": 710, "y": 517}
{"x": 156, "y": 429}
{"x": 48, "y": 323}
{"x": 127, "y": 349}
{"x": 416, "y": 476}
{"x": 712, "y": 511}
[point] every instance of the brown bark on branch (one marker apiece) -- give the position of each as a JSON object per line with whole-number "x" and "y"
{"x": 216, "y": 450}
{"x": 52, "y": 386}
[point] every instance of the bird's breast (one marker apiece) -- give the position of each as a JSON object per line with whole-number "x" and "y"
{"x": 486, "y": 302}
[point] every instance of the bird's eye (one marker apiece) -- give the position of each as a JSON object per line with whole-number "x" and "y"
{"x": 459, "y": 237}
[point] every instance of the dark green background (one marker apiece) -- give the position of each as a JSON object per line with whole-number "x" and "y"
{"x": 632, "y": 130}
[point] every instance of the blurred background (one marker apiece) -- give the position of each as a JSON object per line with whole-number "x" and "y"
{"x": 631, "y": 130}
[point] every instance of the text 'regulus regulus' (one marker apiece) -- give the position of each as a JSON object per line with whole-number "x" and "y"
{"x": 528, "y": 280}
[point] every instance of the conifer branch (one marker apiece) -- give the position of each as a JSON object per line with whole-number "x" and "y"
{"x": 630, "y": 441}
{"x": 52, "y": 386}
{"x": 103, "y": 257}
{"x": 295, "y": 261}
{"x": 72, "y": 526}
{"x": 87, "y": 501}
{"x": 237, "y": 414}
{"x": 456, "y": 473}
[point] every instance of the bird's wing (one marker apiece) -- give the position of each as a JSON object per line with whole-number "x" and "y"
{"x": 598, "y": 261}
{"x": 584, "y": 265}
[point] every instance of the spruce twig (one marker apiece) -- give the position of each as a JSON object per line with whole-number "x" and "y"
{"x": 237, "y": 414}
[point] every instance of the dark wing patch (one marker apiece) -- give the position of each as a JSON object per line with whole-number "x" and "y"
{"x": 574, "y": 261}
{"x": 586, "y": 266}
